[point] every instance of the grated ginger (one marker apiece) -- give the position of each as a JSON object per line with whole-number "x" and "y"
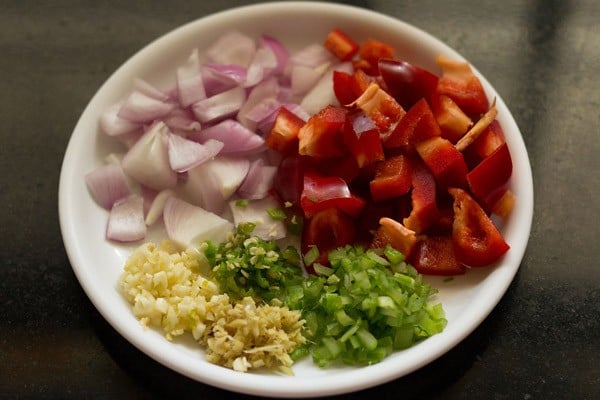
{"x": 166, "y": 289}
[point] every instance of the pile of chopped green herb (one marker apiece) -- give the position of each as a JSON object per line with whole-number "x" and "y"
{"x": 360, "y": 308}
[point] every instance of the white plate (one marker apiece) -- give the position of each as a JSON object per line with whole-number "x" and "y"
{"x": 97, "y": 263}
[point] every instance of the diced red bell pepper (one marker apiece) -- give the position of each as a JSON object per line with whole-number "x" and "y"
{"x": 283, "y": 137}
{"x": 392, "y": 178}
{"x": 396, "y": 235}
{"x": 477, "y": 241}
{"x": 380, "y": 107}
{"x": 344, "y": 87}
{"x": 328, "y": 229}
{"x": 443, "y": 160}
{"x": 406, "y": 82}
{"x": 452, "y": 120}
{"x": 435, "y": 255}
{"x": 344, "y": 167}
{"x": 289, "y": 179}
{"x": 460, "y": 84}
{"x": 341, "y": 45}
{"x": 488, "y": 179}
{"x": 370, "y": 53}
{"x": 424, "y": 211}
{"x": 322, "y": 192}
{"x": 321, "y": 136}
{"x": 489, "y": 140}
{"x": 361, "y": 136}
{"x": 417, "y": 125}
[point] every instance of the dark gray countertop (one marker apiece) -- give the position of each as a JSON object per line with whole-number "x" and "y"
{"x": 542, "y": 340}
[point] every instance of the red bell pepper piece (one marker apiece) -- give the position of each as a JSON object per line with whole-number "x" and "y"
{"x": 443, "y": 160}
{"x": 345, "y": 87}
{"x": 406, "y": 82}
{"x": 361, "y": 136}
{"x": 489, "y": 140}
{"x": 488, "y": 179}
{"x": 424, "y": 211}
{"x": 477, "y": 242}
{"x": 283, "y": 137}
{"x": 344, "y": 167}
{"x": 452, "y": 120}
{"x": 341, "y": 45}
{"x": 417, "y": 125}
{"x": 328, "y": 229}
{"x": 392, "y": 178}
{"x": 370, "y": 53}
{"x": 321, "y": 136}
{"x": 289, "y": 179}
{"x": 460, "y": 84}
{"x": 435, "y": 255}
{"x": 321, "y": 192}
{"x": 380, "y": 107}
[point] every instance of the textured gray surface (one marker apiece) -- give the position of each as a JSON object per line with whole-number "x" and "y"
{"x": 541, "y": 341}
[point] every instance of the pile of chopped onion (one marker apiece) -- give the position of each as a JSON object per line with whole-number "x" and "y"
{"x": 192, "y": 149}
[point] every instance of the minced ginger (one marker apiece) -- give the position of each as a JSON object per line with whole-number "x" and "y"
{"x": 167, "y": 289}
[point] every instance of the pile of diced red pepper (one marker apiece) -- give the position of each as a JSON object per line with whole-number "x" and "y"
{"x": 410, "y": 159}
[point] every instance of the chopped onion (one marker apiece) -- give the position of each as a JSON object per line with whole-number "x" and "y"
{"x": 237, "y": 139}
{"x": 186, "y": 154}
{"x": 210, "y": 184}
{"x": 189, "y": 81}
{"x": 189, "y": 225}
{"x": 322, "y": 94}
{"x": 113, "y": 125}
{"x": 148, "y": 160}
{"x": 220, "y": 106}
{"x": 257, "y": 212}
{"x": 149, "y": 90}
{"x": 126, "y": 220}
{"x": 107, "y": 184}
{"x": 304, "y": 78}
{"x": 281, "y": 53}
{"x": 155, "y": 211}
{"x": 313, "y": 55}
{"x": 266, "y": 91}
{"x": 259, "y": 180}
{"x": 139, "y": 107}
{"x": 262, "y": 66}
{"x": 220, "y": 77}
{"x": 232, "y": 48}
{"x": 182, "y": 121}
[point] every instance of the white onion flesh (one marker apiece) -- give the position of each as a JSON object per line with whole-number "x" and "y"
{"x": 220, "y": 106}
{"x": 126, "y": 220}
{"x": 139, "y": 107}
{"x": 256, "y": 212}
{"x": 232, "y": 48}
{"x": 157, "y": 206}
{"x": 212, "y": 183}
{"x": 148, "y": 160}
{"x": 107, "y": 184}
{"x": 189, "y": 225}
{"x": 321, "y": 94}
{"x": 186, "y": 154}
{"x": 113, "y": 125}
{"x": 189, "y": 81}
{"x": 237, "y": 140}
{"x": 258, "y": 181}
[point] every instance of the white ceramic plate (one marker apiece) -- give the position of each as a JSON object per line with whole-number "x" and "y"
{"x": 97, "y": 263}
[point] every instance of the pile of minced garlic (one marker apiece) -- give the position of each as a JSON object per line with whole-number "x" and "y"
{"x": 167, "y": 289}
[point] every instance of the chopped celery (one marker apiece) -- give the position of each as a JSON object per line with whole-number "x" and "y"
{"x": 375, "y": 304}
